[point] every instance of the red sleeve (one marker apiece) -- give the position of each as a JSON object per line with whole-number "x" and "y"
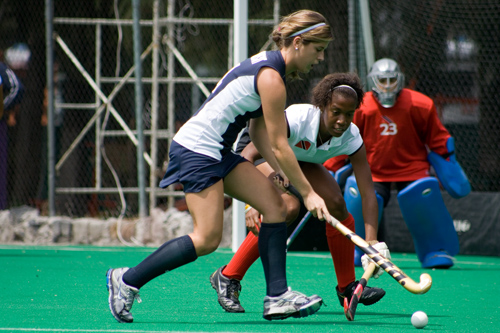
{"x": 437, "y": 135}
{"x": 335, "y": 163}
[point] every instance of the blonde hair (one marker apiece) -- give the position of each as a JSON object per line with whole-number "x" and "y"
{"x": 298, "y": 21}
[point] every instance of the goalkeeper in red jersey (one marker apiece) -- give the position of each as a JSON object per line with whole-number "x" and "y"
{"x": 404, "y": 137}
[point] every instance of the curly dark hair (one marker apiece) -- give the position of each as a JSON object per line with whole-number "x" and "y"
{"x": 323, "y": 91}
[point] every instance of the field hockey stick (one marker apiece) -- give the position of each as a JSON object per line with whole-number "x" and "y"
{"x": 397, "y": 274}
{"x": 350, "y": 308}
{"x": 298, "y": 229}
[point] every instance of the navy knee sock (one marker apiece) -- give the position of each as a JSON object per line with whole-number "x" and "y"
{"x": 174, "y": 253}
{"x": 272, "y": 248}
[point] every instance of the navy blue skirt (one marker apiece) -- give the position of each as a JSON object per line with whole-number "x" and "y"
{"x": 195, "y": 171}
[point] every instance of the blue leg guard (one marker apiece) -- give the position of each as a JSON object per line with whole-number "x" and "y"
{"x": 354, "y": 206}
{"x": 342, "y": 174}
{"x": 429, "y": 222}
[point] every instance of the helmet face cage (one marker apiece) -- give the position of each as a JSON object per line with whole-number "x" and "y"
{"x": 386, "y": 81}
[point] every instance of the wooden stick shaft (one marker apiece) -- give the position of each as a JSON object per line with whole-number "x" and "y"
{"x": 369, "y": 271}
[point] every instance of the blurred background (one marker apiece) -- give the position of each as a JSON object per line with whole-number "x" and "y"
{"x": 448, "y": 49}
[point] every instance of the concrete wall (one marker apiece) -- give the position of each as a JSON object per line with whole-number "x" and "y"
{"x": 24, "y": 225}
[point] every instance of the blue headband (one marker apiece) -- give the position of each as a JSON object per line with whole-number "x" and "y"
{"x": 308, "y": 29}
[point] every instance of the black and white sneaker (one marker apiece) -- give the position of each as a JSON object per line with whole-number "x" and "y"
{"x": 291, "y": 304}
{"x": 121, "y": 296}
{"x": 369, "y": 296}
{"x": 228, "y": 291}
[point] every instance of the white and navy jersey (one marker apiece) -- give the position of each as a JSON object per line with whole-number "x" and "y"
{"x": 303, "y": 124}
{"x": 215, "y": 126}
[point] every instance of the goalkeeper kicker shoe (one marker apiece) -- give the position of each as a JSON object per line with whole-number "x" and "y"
{"x": 228, "y": 291}
{"x": 369, "y": 296}
{"x": 121, "y": 296}
{"x": 291, "y": 304}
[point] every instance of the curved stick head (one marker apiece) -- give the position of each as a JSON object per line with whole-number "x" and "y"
{"x": 425, "y": 283}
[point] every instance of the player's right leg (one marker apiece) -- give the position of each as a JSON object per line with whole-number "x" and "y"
{"x": 249, "y": 185}
{"x": 123, "y": 283}
{"x": 121, "y": 296}
{"x": 204, "y": 190}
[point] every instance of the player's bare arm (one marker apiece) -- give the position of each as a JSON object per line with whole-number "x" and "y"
{"x": 273, "y": 96}
{"x": 260, "y": 139}
{"x": 367, "y": 191}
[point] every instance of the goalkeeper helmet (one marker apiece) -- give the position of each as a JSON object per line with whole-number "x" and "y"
{"x": 386, "y": 81}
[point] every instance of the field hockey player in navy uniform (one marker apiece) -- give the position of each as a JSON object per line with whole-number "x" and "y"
{"x": 202, "y": 160}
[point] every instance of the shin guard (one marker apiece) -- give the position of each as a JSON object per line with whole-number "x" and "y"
{"x": 429, "y": 222}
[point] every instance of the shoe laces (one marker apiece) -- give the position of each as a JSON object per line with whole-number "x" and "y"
{"x": 297, "y": 293}
{"x": 289, "y": 296}
{"x": 130, "y": 295}
{"x": 233, "y": 289}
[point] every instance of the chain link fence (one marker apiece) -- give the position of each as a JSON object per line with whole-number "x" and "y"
{"x": 447, "y": 49}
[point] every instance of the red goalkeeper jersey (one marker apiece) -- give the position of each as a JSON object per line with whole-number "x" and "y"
{"x": 397, "y": 138}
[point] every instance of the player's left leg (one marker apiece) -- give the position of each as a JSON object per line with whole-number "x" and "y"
{"x": 249, "y": 185}
{"x": 341, "y": 248}
{"x": 248, "y": 253}
{"x": 226, "y": 279}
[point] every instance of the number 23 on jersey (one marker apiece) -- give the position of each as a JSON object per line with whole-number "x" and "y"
{"x": 389, "y": 129}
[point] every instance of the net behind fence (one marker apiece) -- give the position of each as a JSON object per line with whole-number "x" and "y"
{"x": 449, "y": 50}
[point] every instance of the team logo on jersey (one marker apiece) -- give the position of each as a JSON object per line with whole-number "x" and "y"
{"x": 303, "y": 145}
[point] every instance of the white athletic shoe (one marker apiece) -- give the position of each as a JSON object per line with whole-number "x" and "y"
{"x": 121, "y": 296}
{"x": 291, "y": 304}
